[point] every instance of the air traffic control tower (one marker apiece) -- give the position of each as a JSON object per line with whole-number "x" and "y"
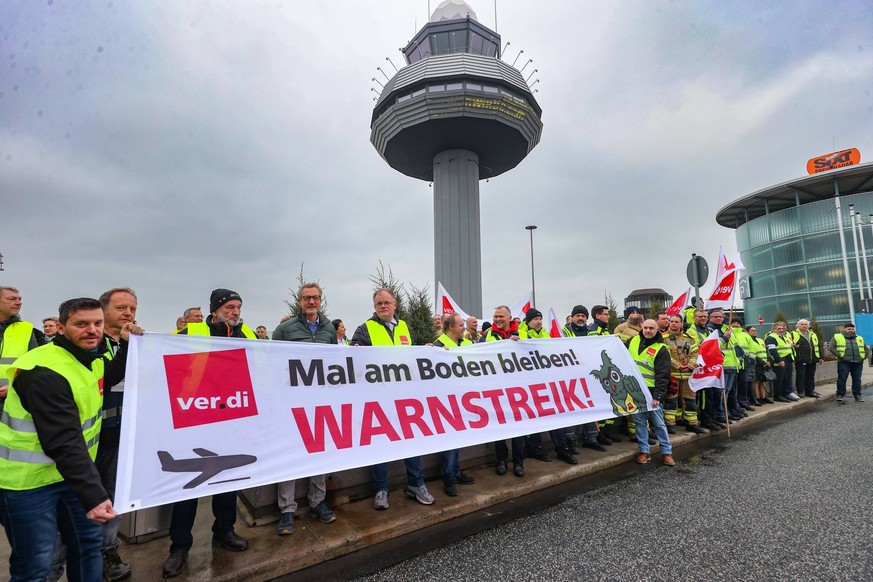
{"x": 456, "y": 114}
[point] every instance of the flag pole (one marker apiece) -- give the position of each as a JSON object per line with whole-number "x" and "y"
{"x": 727, "y": 421}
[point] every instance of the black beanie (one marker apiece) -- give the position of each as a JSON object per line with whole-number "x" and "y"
{"x": 631, "y": 309}
{"x": 532, "y": 313}
{"x": 221, "y": 296}
{"x": 580, "y": 309}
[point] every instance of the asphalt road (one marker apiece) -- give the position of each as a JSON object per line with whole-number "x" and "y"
{"x": 793, "y": 501}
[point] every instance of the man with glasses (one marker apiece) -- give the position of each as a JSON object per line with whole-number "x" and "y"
{"x": 383, "y": 329}
{"x": 310, "y": 325}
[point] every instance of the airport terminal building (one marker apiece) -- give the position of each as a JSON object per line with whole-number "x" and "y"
{"x": 789, "y": 240}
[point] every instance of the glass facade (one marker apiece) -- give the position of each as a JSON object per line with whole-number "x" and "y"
{"x": 794, "y": 262}
{"x": 462, "y": 36}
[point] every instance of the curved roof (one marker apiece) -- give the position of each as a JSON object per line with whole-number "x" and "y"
{"x": 849, "y": 180}
{"x": 646, "y": 292}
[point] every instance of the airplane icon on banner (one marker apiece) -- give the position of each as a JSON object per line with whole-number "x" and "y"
{"x": 208, "y": 464}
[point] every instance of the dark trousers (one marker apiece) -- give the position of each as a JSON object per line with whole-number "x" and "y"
{"x": 782, "y": 385}
{"x": 107, "y": 466}
{"x": 704, "y": 405}
{"x": 502, "y": 451}
{"x": 843, "y": 371}
{"x": 804, "y": 377}
{"x": 184, "y": 512}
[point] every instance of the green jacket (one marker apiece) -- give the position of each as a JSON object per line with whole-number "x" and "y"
{"x": 297, "y": 329}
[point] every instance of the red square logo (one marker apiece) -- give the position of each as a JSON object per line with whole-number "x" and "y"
{"x": 209, "y": 387}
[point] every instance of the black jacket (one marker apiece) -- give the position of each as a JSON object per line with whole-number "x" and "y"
{"x": 361, "y": 336}
{"x": 663, "y": 366}
{"x": 48, "y": 397}
{"x": 220, "y": 329}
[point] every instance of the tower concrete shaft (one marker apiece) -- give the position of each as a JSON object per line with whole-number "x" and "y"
{"x": 457, "y": 242}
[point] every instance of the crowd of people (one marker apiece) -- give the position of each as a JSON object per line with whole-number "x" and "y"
{"x": 61, "y": 399}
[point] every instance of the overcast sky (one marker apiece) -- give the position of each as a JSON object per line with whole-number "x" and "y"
{"x": 176, "y": 147}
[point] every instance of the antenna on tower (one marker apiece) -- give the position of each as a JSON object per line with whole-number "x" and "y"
{"x": 378, "y": 81}
{"x": 516, "y": 57}
{"x": 392, "y": 64}
{"x": 529, "y": 61}
{"x": 383, "y": 72}
{"x": 495, "y": 15}
{"x": 532, "y": 73}
{"x": 503, "y": 52}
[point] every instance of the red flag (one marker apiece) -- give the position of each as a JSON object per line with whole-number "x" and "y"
{"x": 725, "y": 282}
{"x": 710, "y": 365}
{"x": 520, "y": 307}
{"x": 446, "y": 305}
{"x": 723, "y": 294}
{"x": 677, "y": 306}
{"x": 554, "y": 325}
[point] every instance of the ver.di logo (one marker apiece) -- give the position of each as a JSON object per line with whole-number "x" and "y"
{"x": 209, "y": 387}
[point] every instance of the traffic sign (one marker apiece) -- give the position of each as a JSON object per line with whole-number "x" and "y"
{"x": 698, "y": 271}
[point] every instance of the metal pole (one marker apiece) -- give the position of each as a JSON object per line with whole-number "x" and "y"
{"x": 864, "y": 256}
{"x": 869, "y": 287}
{"x": 533, "y": 284}
{"x": 857, "y": 255}
{"x": 843, "y": 247}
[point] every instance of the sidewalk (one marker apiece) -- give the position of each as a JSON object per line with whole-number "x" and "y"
{"x": 359, "y": 526}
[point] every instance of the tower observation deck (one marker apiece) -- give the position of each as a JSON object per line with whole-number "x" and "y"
{"x": 456, "y": 114}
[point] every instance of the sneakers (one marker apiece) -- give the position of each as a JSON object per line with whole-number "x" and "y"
{"x": 669, "y": 461}
{"x": 324, "y": 513}
{"x": 286, "y": 524}
{"x": 792, "y": 397}
{"x": 114, "y": 568}
{"x": 381, "y": 500}
{"x": 858, "y": 398}
{"x": 642, "y": 458}
{"x": 464, "y": 479}
{"x": 175, "y": 563}
{"x": 450, "y": 488}
{"x": 420, "y": 494}
{"x": 500, "y": 469}
{"x": 840, "y": 400}
{"x": 518, "y": 470}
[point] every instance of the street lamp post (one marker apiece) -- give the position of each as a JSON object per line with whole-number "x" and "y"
{"x": 533, "y": 285}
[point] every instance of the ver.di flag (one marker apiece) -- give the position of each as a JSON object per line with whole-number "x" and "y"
{"x": 446, "y": 305}
{"x": 520, "y": 307}
{"x": 709, "y": 372}
{"x": 677, "y": 306}
{"x": 554, "y": 326}
{"x": 725, "y": 282}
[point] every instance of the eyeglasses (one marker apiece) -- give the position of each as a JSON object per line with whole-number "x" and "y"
{"x": 310, "y": 298}
{"x": 383, "y": 303}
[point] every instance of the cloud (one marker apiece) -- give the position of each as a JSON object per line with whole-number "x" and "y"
{"x": 179, "y": 147}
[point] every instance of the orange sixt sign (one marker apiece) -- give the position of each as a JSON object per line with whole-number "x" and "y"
{"x": 833, "y": 161}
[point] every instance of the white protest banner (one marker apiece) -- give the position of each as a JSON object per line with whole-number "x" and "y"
{"x": 205, "y": 415}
